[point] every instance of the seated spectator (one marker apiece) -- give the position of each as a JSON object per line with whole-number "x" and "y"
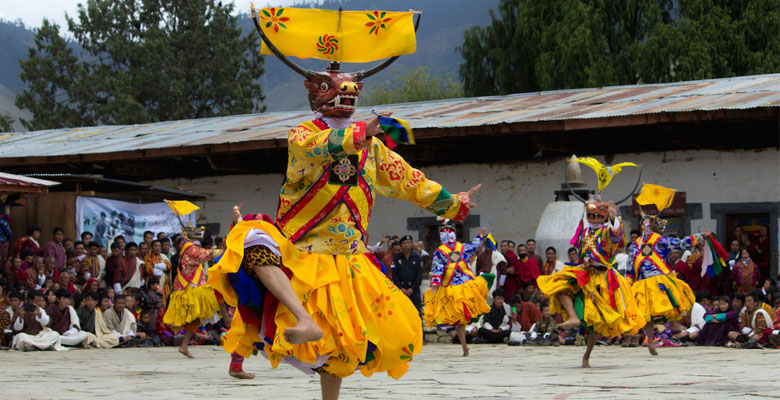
{"x": 145, "y": 330}
{"x": 36, "y": 276}
{"x": 91, "y": 319}
{"x": 120, "y": 320}
{"x": 51, "y": 297}
{"x": 30, "y": 323}
{"x": 5, "y": 323}
{"x": 545, "y": 332}
{"x": 689, "y": 327}
{"x": 14, "y": 273}
{"x": 494, "y": 326}
{"x": 49, "y": 268}
{"x": 719, "y": 322}
{"x": 63, "y": 320}
{"x": 531, "y": 294}
{"x": 705, "y": 299}
{"x": 27, "y": 257}
{"x": 738, "y": 303}
{"x": 755, "y": 323}
{"x": 66, "y": 281}
{"x": 524, "y": 316}
{"x": 92, "y": 285}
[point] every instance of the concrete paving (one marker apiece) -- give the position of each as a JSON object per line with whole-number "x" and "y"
{"x": 490, "y": 372}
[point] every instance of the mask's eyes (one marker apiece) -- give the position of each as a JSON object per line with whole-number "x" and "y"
{"x": 324, "y": 86}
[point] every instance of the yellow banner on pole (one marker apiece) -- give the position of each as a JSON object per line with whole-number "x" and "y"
{"x": 343, "y": 36}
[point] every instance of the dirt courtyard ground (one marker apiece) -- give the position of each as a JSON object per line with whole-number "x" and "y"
{"x": 439, "y": 372}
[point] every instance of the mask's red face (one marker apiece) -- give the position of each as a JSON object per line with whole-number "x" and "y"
{"x": 333, "y": 93}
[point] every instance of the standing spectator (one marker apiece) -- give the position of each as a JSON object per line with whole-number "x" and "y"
{"x": 143, "y": 250}
{"x": 745, "y": 273}
{"x": 764, "y": 252}
{"x": 86, "y": 238}
{"x": 129, "y": 273}
{"x": 407, "y": 271}
{"x": 393, "y": 249}
{"x": 155, "y": 264}
{"x": 574, "y": 257}
{"x": 67, "y": 244}
{"x": 509, "y": 278}
{"x": 748, "y": 244}
{"x": 148, "y": 237}
{"x": 92, "y": 265}
{"x": 29, "y": 242}
{"x": 166, "y": 248}
{"x": 530, "y": 246}
{"x": 155, "y": 302}
{"x": 551, "y": 263}
{"x": 5, "y": 239}
{"x": 113, "y": 264}
{"x": 490, "y": 262}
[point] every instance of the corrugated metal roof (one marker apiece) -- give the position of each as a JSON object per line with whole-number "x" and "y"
{"x": 739, "y": 93}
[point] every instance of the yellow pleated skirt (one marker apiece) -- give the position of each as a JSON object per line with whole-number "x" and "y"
{"x": 594, "y": 292}
{"x": 368, "y": 323}
{"x": 456, "y": 304}
{"x": 663, "y": 298}
{"x": 191, "y": 304}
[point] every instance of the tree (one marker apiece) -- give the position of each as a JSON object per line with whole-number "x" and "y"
{"x": 6, "y": 123}
{"x": 418, "y": 84}
{"x": 145, "y": 61}
{"x": 542, "y": 45}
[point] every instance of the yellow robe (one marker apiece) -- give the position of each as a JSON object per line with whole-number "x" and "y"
{"x": 324, "y": 208}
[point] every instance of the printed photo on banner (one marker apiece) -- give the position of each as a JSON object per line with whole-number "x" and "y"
{"x": 107, "y": 219}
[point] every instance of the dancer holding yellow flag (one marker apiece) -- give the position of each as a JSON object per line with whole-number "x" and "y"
{"x": 659, "y": 294}
{"x": 192, "y": 300}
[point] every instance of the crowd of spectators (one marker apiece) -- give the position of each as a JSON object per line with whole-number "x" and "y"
{"x": 81, "y": 294}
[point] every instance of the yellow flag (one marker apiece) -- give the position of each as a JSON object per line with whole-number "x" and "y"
{"x": 655, "y": 194}
{"x": 344, "y": 36}
{"x": 181, "y": 207}
{"x": 604, "y": 173}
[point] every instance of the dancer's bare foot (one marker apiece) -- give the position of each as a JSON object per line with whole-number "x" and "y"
{"x": 306, "y": 331}
{"x": 186, "y": 352}
{"x": 585, "y": 363}
{"x": 570, "y": 323}
{"x": 466, "y": 351}
{"x": 242, "y": 375}
{"x": 651, "y": 347}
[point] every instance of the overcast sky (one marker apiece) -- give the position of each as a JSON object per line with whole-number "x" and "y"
{"x": 32, "y": 12}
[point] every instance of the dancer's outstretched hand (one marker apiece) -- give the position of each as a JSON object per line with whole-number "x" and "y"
{"x": 237, "y": 214}
{"x": 372, "y": 125}
{"x": 465, "y": 197}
